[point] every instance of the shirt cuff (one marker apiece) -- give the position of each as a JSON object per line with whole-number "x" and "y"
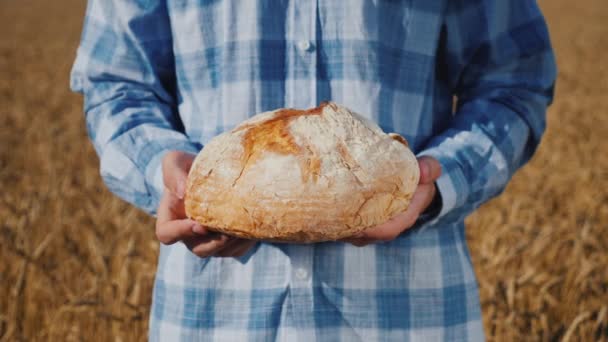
{"x": 451, "y": 185}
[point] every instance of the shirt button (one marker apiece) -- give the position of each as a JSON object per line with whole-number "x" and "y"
{"x": 305, "y": 45}
{"x": 301, "y": 273}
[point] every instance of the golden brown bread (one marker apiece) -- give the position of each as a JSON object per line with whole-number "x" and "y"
{"x": 301, "y": 176}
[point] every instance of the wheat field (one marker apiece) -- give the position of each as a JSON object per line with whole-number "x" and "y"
{"x": 77, "y": 264}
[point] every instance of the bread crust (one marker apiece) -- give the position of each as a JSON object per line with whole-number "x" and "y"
{"x": 301, "y": 176}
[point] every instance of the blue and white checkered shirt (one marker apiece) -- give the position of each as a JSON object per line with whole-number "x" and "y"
{"x": 164, "y": 75}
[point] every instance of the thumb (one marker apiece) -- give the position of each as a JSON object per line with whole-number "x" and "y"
{"x": 430, "y": 169}
{"x": 176, "y": 165}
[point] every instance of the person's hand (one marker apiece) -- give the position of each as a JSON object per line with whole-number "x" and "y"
{"x": 430, "y": 170}
{"x": 172, "y": 225}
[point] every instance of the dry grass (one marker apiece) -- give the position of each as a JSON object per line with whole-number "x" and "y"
{"x": 78, "y": 264}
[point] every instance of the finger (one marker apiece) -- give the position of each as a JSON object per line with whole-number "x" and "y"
{"x": 237, "y": 249}
{"x": 388, "y": 230}
{"x": 245, "y": 248}
{"x": 239, "y": 245}
{"x": 176, "y": 165}
{"x": 173, "y": 231}
{"x": 167, "y": 209}
{"x": 359, "y": 242}
{"x": 430, "y": 169}
{"x": 230, "y": 244}
{"x": 206, "y": 247}
{"x": 421, "y": 200}
{"x": 170, "y": 208}
{"x": 398, "y": 224}
{"x": 171, "y": 224}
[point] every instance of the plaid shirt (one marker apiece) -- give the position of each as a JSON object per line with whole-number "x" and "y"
{"x": 164, "y": 75}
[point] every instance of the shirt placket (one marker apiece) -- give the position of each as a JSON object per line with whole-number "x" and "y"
{"x": 301, "y": 292}
{"x": 303, "y": 90}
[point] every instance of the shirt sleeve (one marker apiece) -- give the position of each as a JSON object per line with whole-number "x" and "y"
{"x": 497, "y": 59}
{"x": 125, "y": 69}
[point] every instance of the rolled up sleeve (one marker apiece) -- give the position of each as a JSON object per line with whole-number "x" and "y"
{"x": 125, "y": 69}
{"x": 500, "y": 65}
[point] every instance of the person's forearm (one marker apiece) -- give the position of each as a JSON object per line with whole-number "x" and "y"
{"x": 131, "y": 133}
{"x": 481, "y": 151}
{"x": 125, "y": 70}
{"x": 503, "y": 73}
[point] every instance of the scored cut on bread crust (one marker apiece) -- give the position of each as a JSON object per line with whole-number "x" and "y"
{"x": 290, "y": 175}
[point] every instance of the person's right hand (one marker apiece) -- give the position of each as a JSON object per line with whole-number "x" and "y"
{"x": 172, "y": 225}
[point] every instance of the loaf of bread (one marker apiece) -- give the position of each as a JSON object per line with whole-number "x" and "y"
{"x": 301, "y": 176}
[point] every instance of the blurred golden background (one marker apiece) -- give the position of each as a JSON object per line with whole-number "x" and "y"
{"x": 76, "y": 263}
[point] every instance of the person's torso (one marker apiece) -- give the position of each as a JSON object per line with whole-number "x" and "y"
{"x": 238, "y": 58}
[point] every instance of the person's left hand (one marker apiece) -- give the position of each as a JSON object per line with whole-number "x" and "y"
{"x": 172, "y": 224}
{"x": 430, "y": 170}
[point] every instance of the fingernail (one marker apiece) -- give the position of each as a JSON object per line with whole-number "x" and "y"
{"x": 424, "y": 171}
{"x": 198, "y": 229}
{"x": 181, "y": 189}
